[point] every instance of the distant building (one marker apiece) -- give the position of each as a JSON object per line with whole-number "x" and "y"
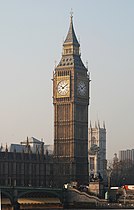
{"x": 17, "y": 148}
{"x": 126, "y": 155}
{"x": 97, "y": 150}
{"x": 32, "y": 144}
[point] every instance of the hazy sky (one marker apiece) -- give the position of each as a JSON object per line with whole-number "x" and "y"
{"x": 31, "y": 38}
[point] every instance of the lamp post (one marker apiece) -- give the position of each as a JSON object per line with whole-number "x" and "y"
{"x": 108, "y": 172}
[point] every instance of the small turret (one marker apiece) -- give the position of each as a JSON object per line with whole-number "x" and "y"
{"x": 115, "y": 159}
{"x": 98, "y": 124}
{"x": 104, "y": 124}
{"x": 6, "y": 150}
{"x": 95, "y": 124}
{"x": 1, "y": 147}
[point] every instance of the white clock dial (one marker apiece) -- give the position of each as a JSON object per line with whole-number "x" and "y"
{"x": 81, "y": 88}
{"x": 63, "y": 87}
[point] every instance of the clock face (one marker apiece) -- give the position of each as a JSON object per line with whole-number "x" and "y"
{"x": 63, "y": 87}
{"x": 81, "y": 88}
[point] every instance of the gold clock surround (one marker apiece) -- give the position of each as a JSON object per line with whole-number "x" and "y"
{"x": 63, "y": 87}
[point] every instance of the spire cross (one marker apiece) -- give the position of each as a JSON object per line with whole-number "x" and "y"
{"x": 71, "y": 14}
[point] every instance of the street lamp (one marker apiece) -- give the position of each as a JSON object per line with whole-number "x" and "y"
{"x": 108, "y": 172}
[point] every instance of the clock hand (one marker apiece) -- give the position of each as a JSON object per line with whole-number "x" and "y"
{"x": 65, "y": 85}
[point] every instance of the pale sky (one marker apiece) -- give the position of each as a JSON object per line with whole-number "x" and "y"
{"x": 31, "y": 38}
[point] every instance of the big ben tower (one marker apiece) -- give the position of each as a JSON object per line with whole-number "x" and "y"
{"x": 71, "y": 100}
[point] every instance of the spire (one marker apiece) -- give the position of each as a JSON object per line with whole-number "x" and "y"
{"x": 71, "y": 37}
{"x": 6, "y": 150}
{"x": 90, "y": 124}
{"x": 95, "y": 124}
{"x": 104, "y": 124}
{"x": 71, "y": 49}
{"x": 98, "y": 124}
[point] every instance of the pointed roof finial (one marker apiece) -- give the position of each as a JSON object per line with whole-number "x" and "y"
{"x": 71, "y": 37}
{"x": 27, "y": 144}
{"x": 95, "y": 124}
{"x": 1, "y": 147}
{"x": 6, "y": 150}
{"x": 98, "y": 124}
{"x": 71, "y": 14}
{"x": 104, "y": 124}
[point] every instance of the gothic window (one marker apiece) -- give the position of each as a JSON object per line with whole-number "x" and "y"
{"x": 91, "y": 163}
{"x": 60, "y": 112}
{"x": 93, "y": 140}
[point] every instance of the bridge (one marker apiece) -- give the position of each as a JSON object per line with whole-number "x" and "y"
{"x": 34, "y": 197}
{"x": 21, "y": 194}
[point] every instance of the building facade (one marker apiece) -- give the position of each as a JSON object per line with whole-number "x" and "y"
{"x": 97, "y": 150}
{"x": 31, "y": 144}
{"x": 71, "y": 100}
{"x": 126, "y": 155}
{"x": 25, "y": 169}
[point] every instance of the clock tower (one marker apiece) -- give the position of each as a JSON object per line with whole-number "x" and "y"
{"x": 71, "y": 100}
